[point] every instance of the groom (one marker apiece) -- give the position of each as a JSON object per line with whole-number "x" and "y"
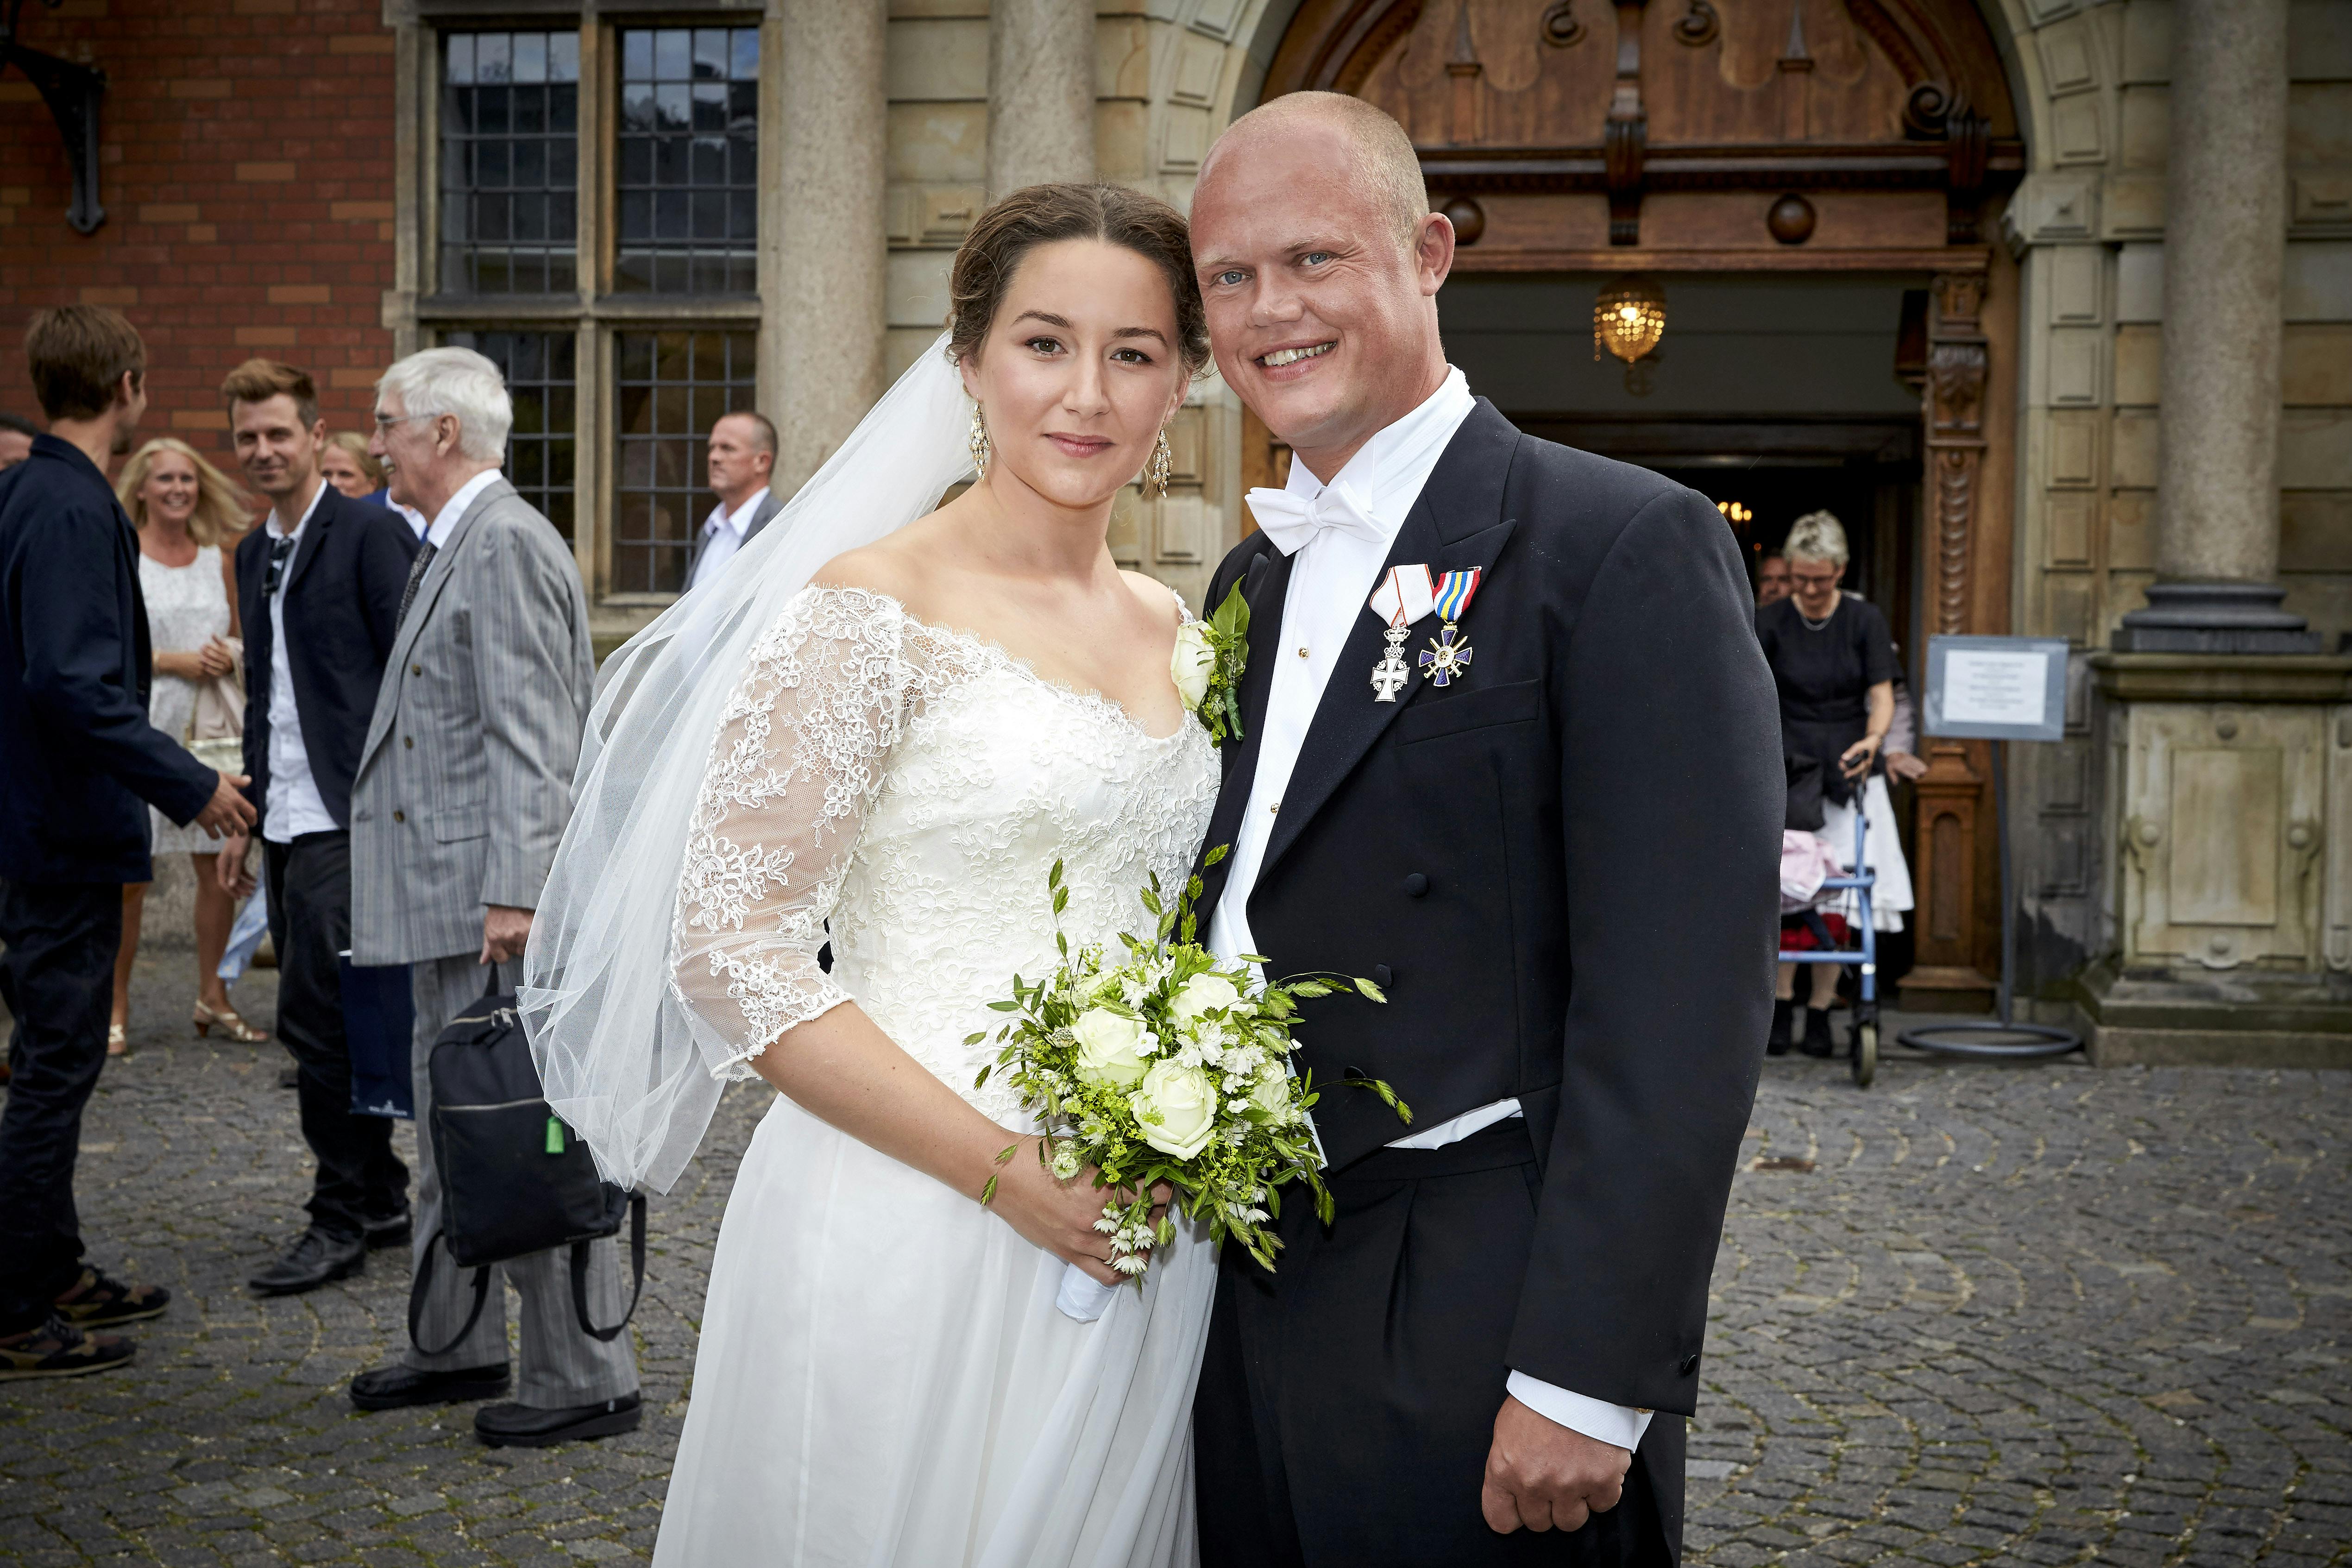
{"x": 1549, "y": 827}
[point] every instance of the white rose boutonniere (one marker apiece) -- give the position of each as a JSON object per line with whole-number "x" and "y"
{"x": 1208, "y": 663}
{"x": 1192, "y": 664}
{"x": 1110, "y": 1047}
{"x": 1177, "y": 1108}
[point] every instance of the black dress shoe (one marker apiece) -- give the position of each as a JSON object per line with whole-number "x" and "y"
{"x": 1776, "y": 1043}
{"x": 388, "y": 1230}
{"x": 523, "y": 1426}
{"x": 319, "y": 1258}
{"x": 396, "y": 1387}
{"x": 1817, "y": 1041}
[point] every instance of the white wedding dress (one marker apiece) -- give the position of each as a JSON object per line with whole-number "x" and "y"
{"x": 883, "y": 1376}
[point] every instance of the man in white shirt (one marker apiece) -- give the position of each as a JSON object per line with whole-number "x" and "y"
{"x": 742, "y": 455}
{"x": 317, "y": 585}
{"x": 1503, "y": 721}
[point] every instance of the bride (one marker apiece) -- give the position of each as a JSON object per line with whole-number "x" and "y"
{"x": 881, "y": 728}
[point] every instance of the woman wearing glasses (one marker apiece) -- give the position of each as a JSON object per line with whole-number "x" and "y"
{"x": 1833, "y": 663}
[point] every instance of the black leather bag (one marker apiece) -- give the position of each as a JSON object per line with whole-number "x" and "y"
{"x": 1806, "y": 811}
{"x": 514, "y": 1179}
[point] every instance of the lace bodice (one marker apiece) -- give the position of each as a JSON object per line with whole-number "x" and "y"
{"x": 911, "y": 785}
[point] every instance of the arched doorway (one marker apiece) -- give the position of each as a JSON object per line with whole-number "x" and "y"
{"x": 1812, "y": 184}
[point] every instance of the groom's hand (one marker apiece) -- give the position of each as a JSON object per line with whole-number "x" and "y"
{"x": 1541, "y": 1475}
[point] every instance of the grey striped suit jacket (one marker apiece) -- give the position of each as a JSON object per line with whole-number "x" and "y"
{"x": 465, "y": 780}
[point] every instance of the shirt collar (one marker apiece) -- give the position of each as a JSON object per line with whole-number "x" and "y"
{"x": 1387, "y": 473}
{"x": 448, "y": 516}
{"x": 316, "y": 497}
{"x": 740, "y": 518}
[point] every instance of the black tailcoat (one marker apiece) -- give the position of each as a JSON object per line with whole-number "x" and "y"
{"x": 1565, "y": 868}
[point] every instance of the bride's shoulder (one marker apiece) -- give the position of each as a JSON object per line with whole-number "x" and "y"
{"x": 1157, "y": 597}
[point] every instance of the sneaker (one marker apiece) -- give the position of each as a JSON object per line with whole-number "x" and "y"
{"x": 57, "y": 1349}
{"x": 98, "y": 1302}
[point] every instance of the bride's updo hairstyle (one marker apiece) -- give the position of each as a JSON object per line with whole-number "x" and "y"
{"x": 1042, "y": 214}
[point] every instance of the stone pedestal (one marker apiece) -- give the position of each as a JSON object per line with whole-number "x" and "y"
{"x": 2228, "y": 780}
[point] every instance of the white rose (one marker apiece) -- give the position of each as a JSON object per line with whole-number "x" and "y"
{"x": 1109, "y": 1048}
{"x": 1270, "y": 1095}
{"x": 1203, "y": 993}
{"x": 1177, "y": 1107}
{"x": 1191, "y": 664}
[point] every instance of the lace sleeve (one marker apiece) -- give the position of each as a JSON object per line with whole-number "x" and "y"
{"x": 797, "y": 762}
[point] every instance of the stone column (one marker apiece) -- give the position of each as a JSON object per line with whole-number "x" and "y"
{"x": 828, "y": 310}
{"x": 1041, "y": 92}
{"x": 2217, "y": 514}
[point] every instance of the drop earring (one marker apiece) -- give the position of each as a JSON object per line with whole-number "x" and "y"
{"x": 1162, "y": 460}
{"x": 978, "y": 442}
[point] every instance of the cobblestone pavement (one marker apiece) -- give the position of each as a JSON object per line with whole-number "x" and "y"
{"x": 2035, "y": 1314}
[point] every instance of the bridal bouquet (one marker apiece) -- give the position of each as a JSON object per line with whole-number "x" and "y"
{"x": 1152, "y": 1063}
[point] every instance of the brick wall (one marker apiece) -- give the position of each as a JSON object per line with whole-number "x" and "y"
{"x": 248, "y": 180}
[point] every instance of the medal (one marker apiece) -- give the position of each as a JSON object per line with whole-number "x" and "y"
{"x": 1446, "y": 659}
{"x": 1404, "y": 595}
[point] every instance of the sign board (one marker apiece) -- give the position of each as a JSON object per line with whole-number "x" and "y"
{"x": 1995, "y": 688}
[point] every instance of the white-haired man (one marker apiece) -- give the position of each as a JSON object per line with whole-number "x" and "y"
{"x": 463, "y": 785}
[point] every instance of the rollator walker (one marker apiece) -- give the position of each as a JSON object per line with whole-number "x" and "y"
{"x": 1863, "y": 1038}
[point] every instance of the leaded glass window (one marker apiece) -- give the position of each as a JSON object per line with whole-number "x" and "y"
{"x": 673, "y": 388}
{"x": 539, "y": 368}
{"x": 687, "y": 177}
{"x": 509, "y": 163}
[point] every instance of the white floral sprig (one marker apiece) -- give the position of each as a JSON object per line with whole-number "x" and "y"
{"x": 1153, "y": 1063}
{"x": 1208, "y": 663}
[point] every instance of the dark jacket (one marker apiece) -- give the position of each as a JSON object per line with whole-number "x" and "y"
{"x": 1564, "y": 866}
{"x": 80, "y": 763}
{"x": 342, "y": 605}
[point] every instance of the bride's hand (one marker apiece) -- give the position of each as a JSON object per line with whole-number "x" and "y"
{"x": 1056, "y": 1216}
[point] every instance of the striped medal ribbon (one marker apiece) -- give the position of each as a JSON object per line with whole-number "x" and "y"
{"x": 1446, "y": 660}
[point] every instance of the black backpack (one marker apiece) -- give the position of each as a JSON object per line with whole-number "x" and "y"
{"x": 514, "y": 1179}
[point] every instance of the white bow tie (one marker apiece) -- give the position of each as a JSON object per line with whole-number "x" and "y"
{"x": 1293, "y": 522}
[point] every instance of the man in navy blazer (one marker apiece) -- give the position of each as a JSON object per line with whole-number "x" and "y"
{"x": 82, "y": 765}
{"x": 319, "y": 583}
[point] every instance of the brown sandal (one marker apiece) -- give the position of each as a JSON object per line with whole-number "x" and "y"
{"x": 234, "y": 1027}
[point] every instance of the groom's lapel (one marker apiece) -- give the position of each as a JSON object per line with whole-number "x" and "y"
{"x": 1265, "y": 586}
{"x": 1457, "y": 523}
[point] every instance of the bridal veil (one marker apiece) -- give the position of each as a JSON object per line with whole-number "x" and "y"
{"x": 625, "y": 1062}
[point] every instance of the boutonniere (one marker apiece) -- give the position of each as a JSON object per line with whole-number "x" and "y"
{"x": 1208, "y": 663}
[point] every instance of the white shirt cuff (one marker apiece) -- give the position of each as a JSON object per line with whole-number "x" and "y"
{"x": 1603, "y": 1423}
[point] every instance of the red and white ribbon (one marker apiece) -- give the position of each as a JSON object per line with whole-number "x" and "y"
{"x": 1404, "y": 595}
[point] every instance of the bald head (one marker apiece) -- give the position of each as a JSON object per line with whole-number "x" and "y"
{"x": 1381, "y": 155}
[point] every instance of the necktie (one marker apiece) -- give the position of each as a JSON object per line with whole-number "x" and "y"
{"x": 416, "y": 576}
{"x": 1293, "y": 522}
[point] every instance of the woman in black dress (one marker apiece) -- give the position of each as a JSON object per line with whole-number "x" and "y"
{"x": 1833, "y": 663}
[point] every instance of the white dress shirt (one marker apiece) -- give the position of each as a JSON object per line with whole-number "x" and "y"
{"x": 293, "y": 805}
{"x": 722, "y": 536}
{"x": 1331, "y": 583}
{"x": 446, "y": 518}
{"x": 416, "y": 519}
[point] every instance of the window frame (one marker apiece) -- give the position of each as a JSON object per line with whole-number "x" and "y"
{"x": 421, "y": 313}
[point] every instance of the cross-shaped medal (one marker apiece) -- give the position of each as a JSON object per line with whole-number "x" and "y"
{"x": 1444, "y": 658}
{"x": 1389, "y": 676}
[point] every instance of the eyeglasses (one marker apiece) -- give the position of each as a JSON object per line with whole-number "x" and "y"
{"x": 384, "y": 422}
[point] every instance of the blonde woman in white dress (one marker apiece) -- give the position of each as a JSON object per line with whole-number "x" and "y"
{"x": 189, "y": 517}
{"x": 889, "y": 747}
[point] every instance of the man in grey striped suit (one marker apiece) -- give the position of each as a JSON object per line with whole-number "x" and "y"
{"x": 463, "y": 785}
